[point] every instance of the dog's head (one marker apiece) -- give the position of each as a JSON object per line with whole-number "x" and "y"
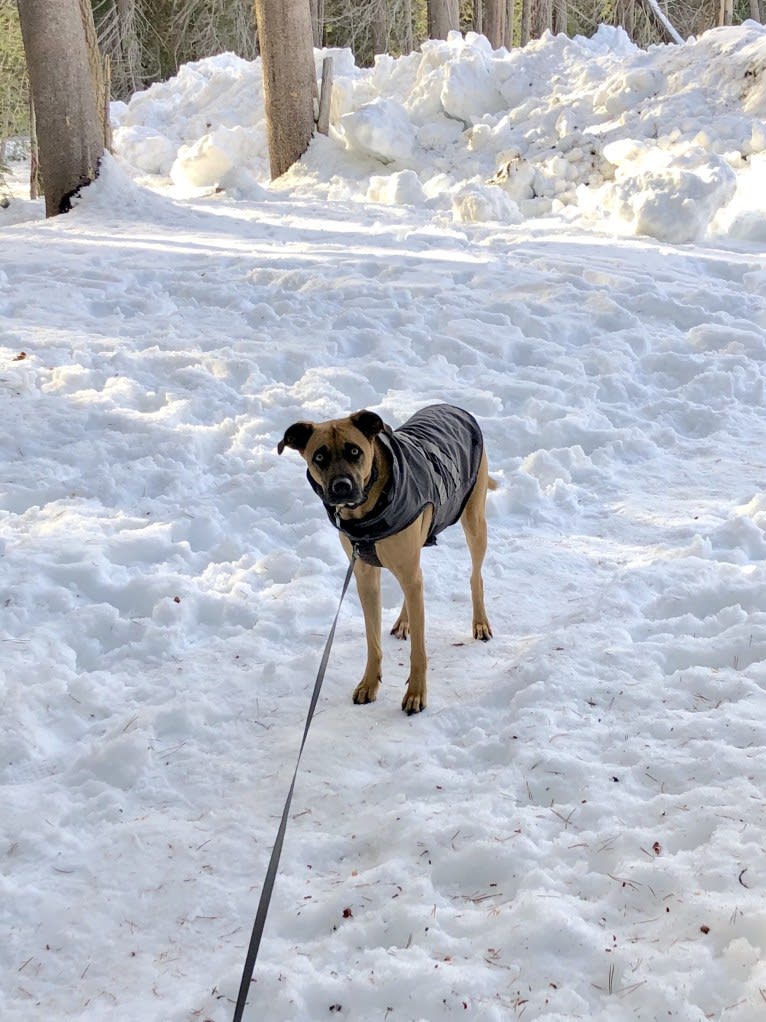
{"x": 339, "y": 454}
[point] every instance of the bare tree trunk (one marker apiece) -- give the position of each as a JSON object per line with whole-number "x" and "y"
{"x": 478, "y": 16}
{"x": 494, "y": 22}
{"x": 99, "y": 70}
{"x": 726, "y": 15}
{"x": 65, "y": 94}
{"x": 508, "y": 33}
{"x": 542, "y": 17}
{"x": 289, "y": 78}
{"x": 408, "y": 44}
{"x": 444, "y": 16}
{"x": 317, "y": 23}
{"x": 626, "y": 16}
{"x": 560, "y": 16}
{"x": 755, "y": 10}
{"x": 526, "y": 20}
{"x": 380, "y": 26}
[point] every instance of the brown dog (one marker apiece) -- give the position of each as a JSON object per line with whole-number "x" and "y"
{"x": 389, "y": 493}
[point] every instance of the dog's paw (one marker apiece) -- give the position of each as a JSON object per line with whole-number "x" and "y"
{"x": 401, "y": 629}
{"x": 366, "y": 691}
{"x": 414, "y": 700}
{"x": 482, "y": 630}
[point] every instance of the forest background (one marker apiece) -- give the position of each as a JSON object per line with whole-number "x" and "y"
{"x": 148, "y": 40}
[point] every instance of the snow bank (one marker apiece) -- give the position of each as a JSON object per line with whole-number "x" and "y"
{"x": 658, "y": 142}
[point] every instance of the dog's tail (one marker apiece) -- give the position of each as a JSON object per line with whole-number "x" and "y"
{"x": 492, "y": 484}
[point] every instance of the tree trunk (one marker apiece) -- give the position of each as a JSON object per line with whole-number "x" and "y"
{"x": 560, "y": 16}
{"x": 317, "y": 23}
{"x": 526, "y": 17}
{"x": 626, "y": 16}
{"x": 289, "y": 78}
{"x": 443, "y": 17}
{"x": 755, "y": 10}
{"x": 380, "y": 27}
{"x": 542, "y": 17}
{"x": 408, "y": 43}
{"x": 494, "y": 22}
{"x": 478, "y": 17}
{"x": 64, "y": 91}
{"x": 726, "y": 16}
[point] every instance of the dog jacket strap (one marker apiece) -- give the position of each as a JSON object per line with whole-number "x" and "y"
{"x": 365, "y": 551}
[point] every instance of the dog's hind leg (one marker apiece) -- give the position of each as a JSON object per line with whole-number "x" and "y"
{"x": 401, "y": 627}
{"x": 474, "y": 522}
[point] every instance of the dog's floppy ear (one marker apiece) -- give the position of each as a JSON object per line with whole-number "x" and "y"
{"x": 296, "y": 436}
{"x": 368, "y": 423}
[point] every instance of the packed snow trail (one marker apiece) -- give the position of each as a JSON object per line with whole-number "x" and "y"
{"x": 574, "y": 826}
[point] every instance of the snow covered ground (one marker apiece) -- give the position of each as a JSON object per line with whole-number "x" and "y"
{"x": 575, "y": 828}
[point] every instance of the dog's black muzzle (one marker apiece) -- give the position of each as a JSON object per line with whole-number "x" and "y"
{"x": 341, "y": 490}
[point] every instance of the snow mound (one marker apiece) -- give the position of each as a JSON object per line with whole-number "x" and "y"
{"x": 657, "y": 142}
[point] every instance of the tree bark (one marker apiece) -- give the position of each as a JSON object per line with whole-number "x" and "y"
{"x": 560, "y": 16}
{"x": 478, "y": 17}
{"x": 289, "y": 78}
{"x": 443, "y": 17}
{"x": 726, "y": 15}
{"x": 626, "y": 16}
{"x": 317, "y": 23}
{"x": 526, "y": 17}
{"x": 494, "y": 22}
{"x": 380, "y": 27}
{"x": 542, "y": 17}
{"x": 408, "y": 38}
{"x": 64, "y": 91}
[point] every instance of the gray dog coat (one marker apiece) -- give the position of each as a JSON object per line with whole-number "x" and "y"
{"x": 435, "y": 458}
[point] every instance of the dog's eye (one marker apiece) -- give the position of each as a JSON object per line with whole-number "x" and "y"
{"x": 354, "y": 453}
{"x": 319, "y": 458}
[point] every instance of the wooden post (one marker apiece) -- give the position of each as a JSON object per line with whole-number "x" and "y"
{"x": 325, "y": 94}
{"x": 106, "y": 95}
{"x": 34, "y": 153}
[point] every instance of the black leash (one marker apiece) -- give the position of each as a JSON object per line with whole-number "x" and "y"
{"x": 271, "y": 872}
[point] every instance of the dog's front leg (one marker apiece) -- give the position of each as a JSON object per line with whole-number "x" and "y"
{"x": 368, "y": 586}
{"x": 416, "y": 696}
{"x": 401, "y": 555}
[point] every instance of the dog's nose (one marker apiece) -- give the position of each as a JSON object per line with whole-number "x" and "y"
{"x": 341, "y": 488}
